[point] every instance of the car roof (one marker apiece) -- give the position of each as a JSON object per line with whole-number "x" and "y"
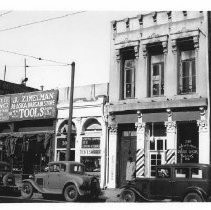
{"x": 185, "y": 165}
{"x": 66, "y": 162}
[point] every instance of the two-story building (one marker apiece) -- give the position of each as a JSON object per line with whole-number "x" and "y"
{"x": 158, "y": 98}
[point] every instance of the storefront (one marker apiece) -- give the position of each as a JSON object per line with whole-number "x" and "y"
{"x": 155, "y": 138}
{"x": 89, "y": 129}
{"x": 27, "y": 129}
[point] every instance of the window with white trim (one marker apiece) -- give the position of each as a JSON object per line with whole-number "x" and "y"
{"x": 187, "y": 72}
{"x": 127, "y": 73}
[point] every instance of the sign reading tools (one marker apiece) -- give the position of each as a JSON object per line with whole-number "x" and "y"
{"x": 26, "y": 106}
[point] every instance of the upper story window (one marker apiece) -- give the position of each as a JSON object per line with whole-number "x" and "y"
{"x": 157, "y": 76}
{"x": 128, "y": 73}
{"x": 186, "y": 49}
{"x": 156, "y": 70}
{"x": 187, "y": 72}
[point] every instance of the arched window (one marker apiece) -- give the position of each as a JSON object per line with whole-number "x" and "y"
{"x": 92, "y": 125}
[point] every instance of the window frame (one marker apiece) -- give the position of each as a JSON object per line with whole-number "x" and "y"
{"x": 160, "y": 78}
{"x": 132, "y": 82}
{"x": 191, "y": 76}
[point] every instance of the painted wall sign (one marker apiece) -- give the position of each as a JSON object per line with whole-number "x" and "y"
{"x": 90, "y": 142}
{"x": 61, "y": 143}
{"x": 33, "y": 105}
{"x": 90, "y": 151}
{"x": 187, "y": 151}
{"x": 4, "y": 108}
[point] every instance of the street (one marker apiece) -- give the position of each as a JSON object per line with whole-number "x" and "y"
{"x": 108, "y": 196}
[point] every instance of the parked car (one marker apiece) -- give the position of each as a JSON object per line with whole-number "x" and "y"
{"x": 183, "y": 182}
{"x": 65, "y": 178}
{"x": 7, "y": 178}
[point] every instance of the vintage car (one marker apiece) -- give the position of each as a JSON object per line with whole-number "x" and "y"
{"x": 7, "y": 178}
{"x": 182, "y": 182}
{"x": 65, "y": 178}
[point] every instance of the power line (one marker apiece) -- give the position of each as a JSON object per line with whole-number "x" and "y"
{"x": 40, "y": 21}
{"x": 34, "y": 57}
{"x": 5, "y": 13}
{"x": 32, "y": 66}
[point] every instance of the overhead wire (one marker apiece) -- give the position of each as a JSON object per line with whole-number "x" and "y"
{"x": 34, "y": 57}
{"x": 5, "y": 13}
{"x": 41, "y": 21}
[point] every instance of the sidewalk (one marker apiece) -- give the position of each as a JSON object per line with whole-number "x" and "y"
{"x": 111, "y": 194}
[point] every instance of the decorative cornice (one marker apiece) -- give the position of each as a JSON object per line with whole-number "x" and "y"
{"x": 144, "y": 49}
{"x": 203, "y": 125}
{"x": 140, "y": 19}
{"x": 196, "y": 42}
{"x": 117, "y": 52}
{"x": 171, "y": 126}
{"x": 140, "y": 126}
{"x": 113, "y": 129}
{"x": 154, "y": 16}
{"x": 127, "y": 22}
{"x": 174, "y": 46}
{"x": 169, "y": 15}
{"x": 136, "y": 50}
{"x": 165, "y": 47}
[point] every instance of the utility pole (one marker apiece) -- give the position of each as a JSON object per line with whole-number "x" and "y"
{"x": 25, "y": 69}
{"x": 69, "y": 132}
{"x": 5, "y": 70}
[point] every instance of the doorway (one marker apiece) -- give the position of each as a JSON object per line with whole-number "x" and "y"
{"x": 128, "y": 143}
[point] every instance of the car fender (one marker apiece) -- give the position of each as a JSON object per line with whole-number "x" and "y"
{"x": 131, "y": 187}
{"x": 198, "y": 190}
{"x": 71, "y": 181}
{"x": 35, "y": 186}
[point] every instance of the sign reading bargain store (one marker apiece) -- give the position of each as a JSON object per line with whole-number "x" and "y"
{"x": 29, "y": 106}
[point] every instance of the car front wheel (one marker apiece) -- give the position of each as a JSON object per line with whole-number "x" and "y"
{"x": 193, "y": 197}
{"x": 27, "y": 190}
{"x": 128, "y": 196}
{"x": 71, "y": 193}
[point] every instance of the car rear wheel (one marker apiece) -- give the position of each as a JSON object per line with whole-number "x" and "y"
{"x": 71, "y": 193}
{"x": 27, "y": 190}
{"x": 128, "y": 196}
{"x": 193, "y": 197}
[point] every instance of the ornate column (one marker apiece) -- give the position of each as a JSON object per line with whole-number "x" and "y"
{"x": 112, "y": 151}
{"x": 204, "y": 140}
{"x": 140, "y": 153}
{"x": 171, "y": 133}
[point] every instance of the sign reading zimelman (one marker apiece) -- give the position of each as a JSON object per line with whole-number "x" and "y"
{"x": 33, "y": 105}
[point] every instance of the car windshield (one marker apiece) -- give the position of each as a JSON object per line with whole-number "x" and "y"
{"x": 78, "y": 169}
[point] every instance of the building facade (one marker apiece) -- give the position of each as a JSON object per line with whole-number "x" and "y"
{"x": 158, "y": 99}
{"x": 27, "y": 127}
{"x": 89, "y": 128}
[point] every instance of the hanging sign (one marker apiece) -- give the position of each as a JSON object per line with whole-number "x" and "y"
{"x": 4, "y": 108}
{"x": 33, "y": 105}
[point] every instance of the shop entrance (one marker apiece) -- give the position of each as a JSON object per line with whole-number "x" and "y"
{"x": 158, "y": 146}
{"x": 127, "y": 149}
{"x": 187, "y": 142}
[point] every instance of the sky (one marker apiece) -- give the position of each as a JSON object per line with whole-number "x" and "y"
{"x": 83, "y": 38}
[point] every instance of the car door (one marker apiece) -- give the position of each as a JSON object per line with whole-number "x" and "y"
{"x": 181, "y": 183}
{"x": 161, "y": 186}
{"x": 53, "y": 178}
